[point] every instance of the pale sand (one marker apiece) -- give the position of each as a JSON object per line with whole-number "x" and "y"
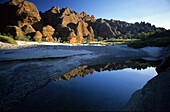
{"x": 24, "y": 44}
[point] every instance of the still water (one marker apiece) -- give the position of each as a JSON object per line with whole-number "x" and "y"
{"x": 93, "y": 90}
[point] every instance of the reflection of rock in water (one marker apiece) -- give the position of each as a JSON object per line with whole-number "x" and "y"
{"x": 85, "y": 70}
{"x": 82, "y": 71}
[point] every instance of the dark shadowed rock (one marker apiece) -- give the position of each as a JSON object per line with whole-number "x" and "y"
{"x": 28, "y": 29}
{"x": 163, "y": 66}
{"x": 155, "y": 94}
{"x": 51, "y": 17}
{"x": 14, "y": 30}
{"x": 104, "y": 29}
{"x": 91, "y": 32}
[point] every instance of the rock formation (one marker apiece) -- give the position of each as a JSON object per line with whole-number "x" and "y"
{"x": 49, "y": 38}
{"x": 38, "y": 36}
{"x": 48, "y": 30}
{"x": 155, "y": 95}
{"x": 67, "y": 24}
{"x": 14, "y": 30}
{"x": 28, "y": 29}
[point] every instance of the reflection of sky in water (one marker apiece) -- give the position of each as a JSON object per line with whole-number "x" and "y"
{"x": 107, "y": 90}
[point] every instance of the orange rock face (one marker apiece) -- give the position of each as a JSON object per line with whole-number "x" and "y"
{"x": 87, "y": 18}
{"x": 71, "y": 26}
{"x": 15, "y": 2}
{"x": 49, "y": 38}
{"x": 93, "y": 18}
{"x": 48, "y": 30}
{"x": 28, "y": 12}
{"x": 28, "y": 29}
{"x": 89, "y": 37}
{"x": 83, "y": 14}
{"x": 82, "y": 29}
{"x": 38, "y": 36}
{"x": 72, "y": 37}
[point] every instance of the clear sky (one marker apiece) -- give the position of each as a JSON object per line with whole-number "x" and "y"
{"x": 156, "y": 12}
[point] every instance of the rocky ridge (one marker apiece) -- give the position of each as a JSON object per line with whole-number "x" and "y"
{"x": 19, "y": 18}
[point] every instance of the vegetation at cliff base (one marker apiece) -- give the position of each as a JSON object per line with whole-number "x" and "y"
{"x": 157, "y": 42}
{"x": 7, "y": 39}
{"x": 157, "y": 38}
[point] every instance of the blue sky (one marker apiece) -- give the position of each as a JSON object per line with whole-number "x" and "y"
{"x": 156, "y": 12}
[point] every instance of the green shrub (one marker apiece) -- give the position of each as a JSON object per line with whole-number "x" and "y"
{"x": 129, "y": 35}
{"x": 111, "y": 40}
{"x": 88, "y": 42}
{"x": 100, "y": 38}
{"x": 156, "y": 42}
{"x": 23, "y": 38}
{"x": 43, "y": 39}
{"x": 7, "y": 39}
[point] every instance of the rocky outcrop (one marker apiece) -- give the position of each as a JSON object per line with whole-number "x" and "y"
{"x": 28, "y": 29}
{"x": 66, "y": 23}
{"x": 103, "y": 29}
{"x": 72, "y": 37}
{"x": 69, "y": 24}
{"x": 93, "y": 18}
{"x": 48, "y": 30}
{"x": 155, "y": 95}
{"x": 20, "y": 14}
{"x": 38, "y": 36}
{"x": 27, "y": 13}
{"x": 14, "y": 30}
{"x": 49, "y": 38}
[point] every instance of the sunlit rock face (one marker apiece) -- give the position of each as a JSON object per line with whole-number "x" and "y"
{"x": 19, "y": 12}
{"x": 48, "y": 31}
{"x": 28, "y": 29}
{"x": 68, "y": 24}
{"x": 38, "y": 36}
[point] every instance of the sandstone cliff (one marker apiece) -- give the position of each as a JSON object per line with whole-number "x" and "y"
{"x": 19, "y": 17}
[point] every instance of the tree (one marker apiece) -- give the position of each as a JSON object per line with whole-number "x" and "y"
{"x": 129, "y": 35}
{"x": 143, "y": 35}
